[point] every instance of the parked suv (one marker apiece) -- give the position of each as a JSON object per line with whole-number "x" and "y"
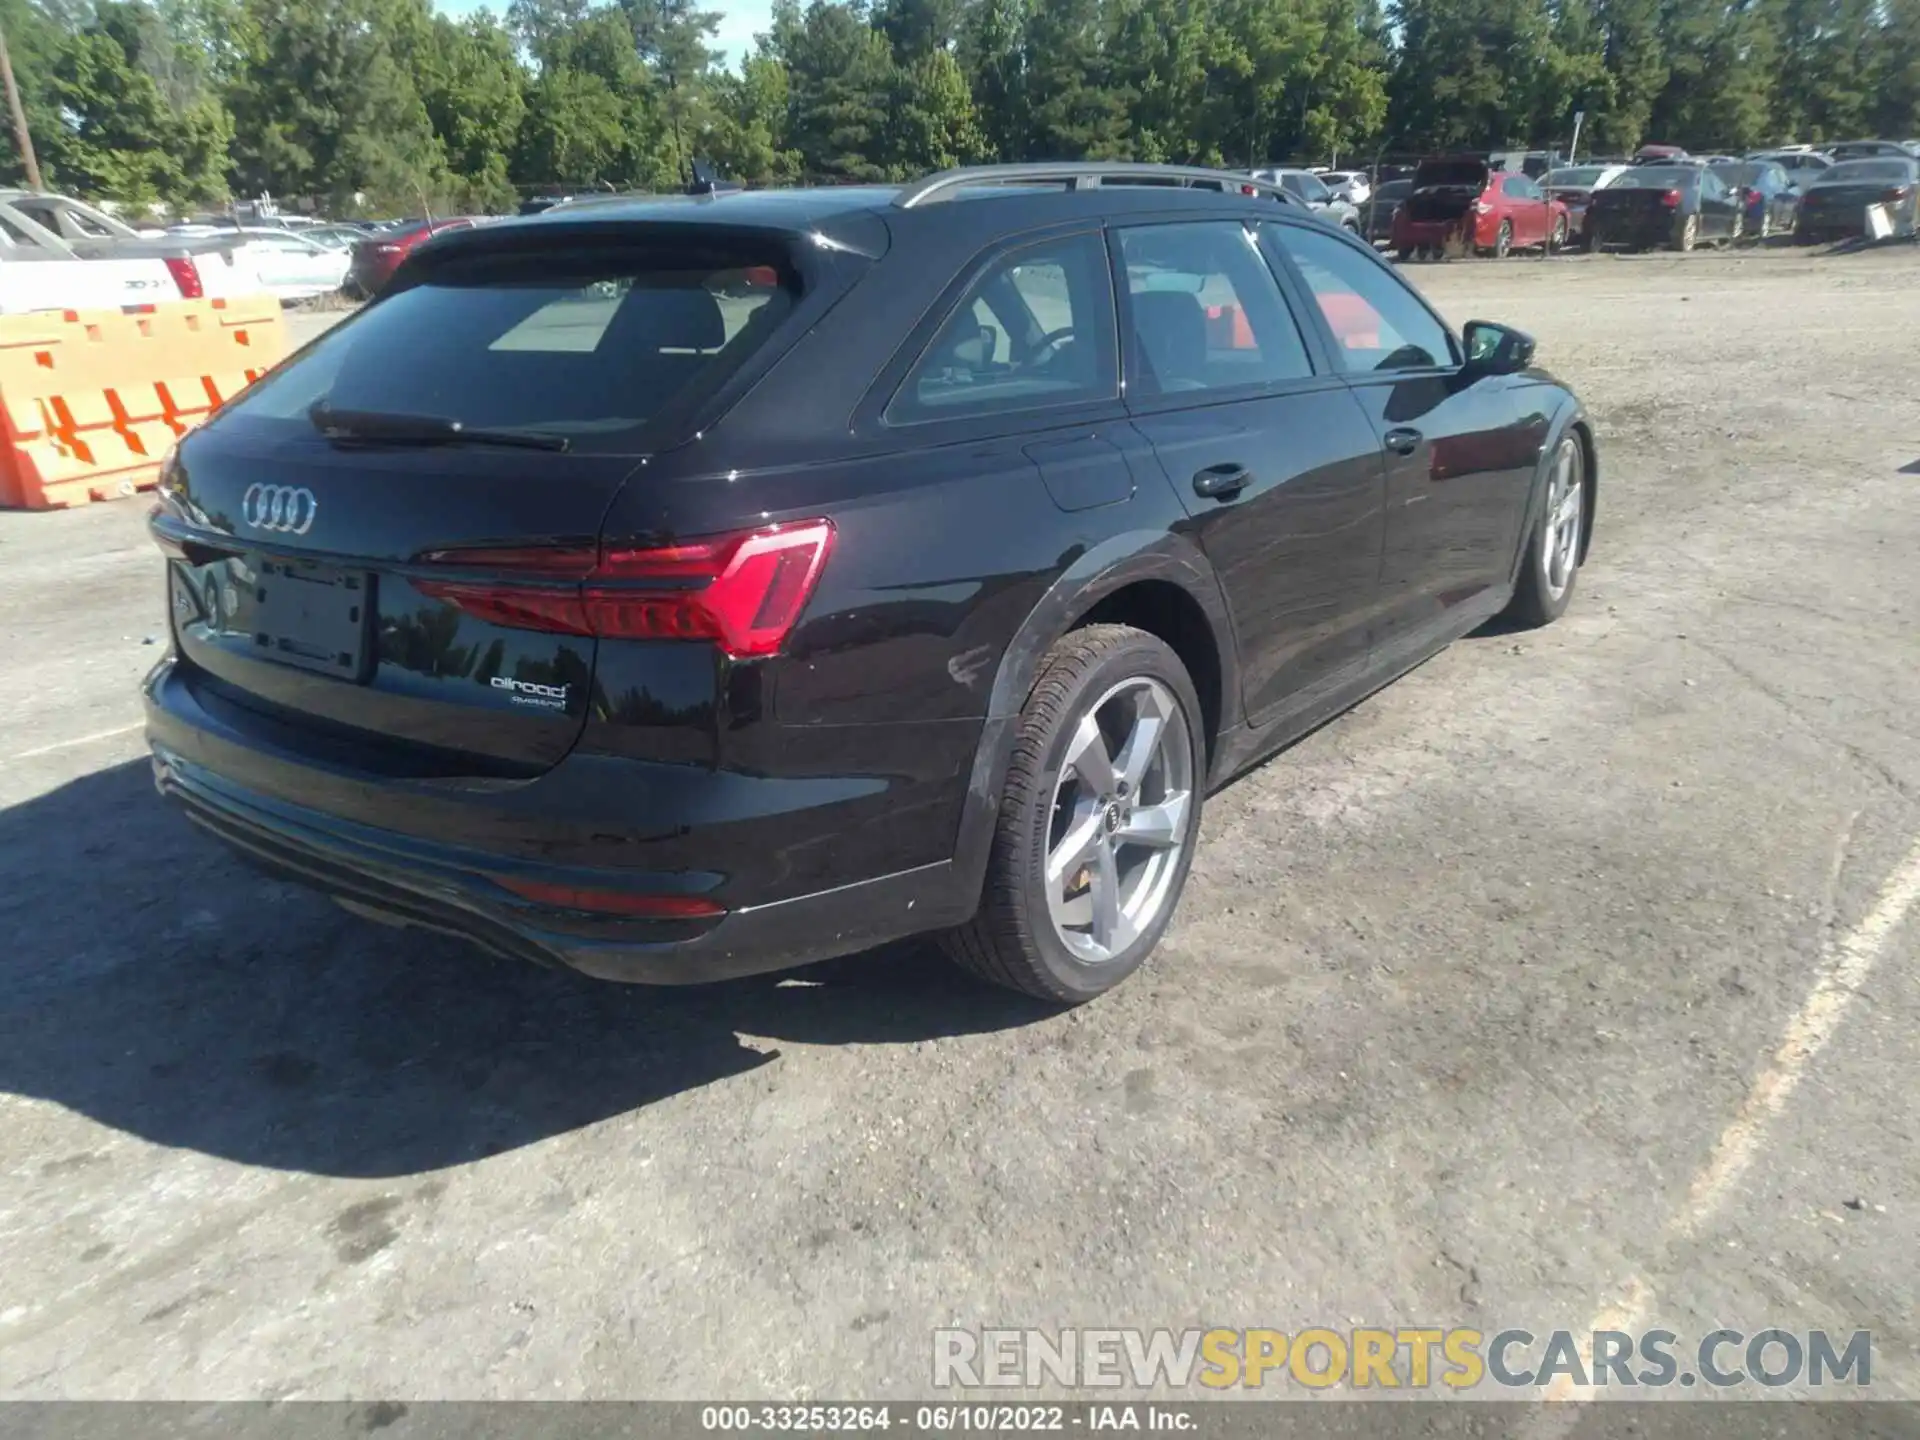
{"x": 687, "y": 588}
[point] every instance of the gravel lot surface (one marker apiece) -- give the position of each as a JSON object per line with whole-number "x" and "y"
{"x": 1574, "y": 973}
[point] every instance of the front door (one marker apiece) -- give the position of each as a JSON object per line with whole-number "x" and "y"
{"x": 1460, "y": 451}
{"x": 1273, "y": 458}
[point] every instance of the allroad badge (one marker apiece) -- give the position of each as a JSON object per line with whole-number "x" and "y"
{"x": 283, "y": 509}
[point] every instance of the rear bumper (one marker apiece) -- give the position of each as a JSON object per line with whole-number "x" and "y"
{"x": 1603, "y": 230}
{"x": 447, "y": 878}
{"x": 1417, "y": 234}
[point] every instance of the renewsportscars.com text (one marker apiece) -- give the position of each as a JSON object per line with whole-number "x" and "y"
{"x": 1415, "y": 1358}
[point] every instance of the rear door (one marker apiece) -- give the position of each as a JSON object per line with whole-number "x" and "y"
{"x": 1268, "y": 451}
{"x": 374, "y": 586}
{"x": 1720, "y": 207}
{"x": 1527, "y": 208}
{"x": 1459, "y": 452}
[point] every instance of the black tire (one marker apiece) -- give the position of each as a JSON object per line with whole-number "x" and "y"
{"x": 1012, "y": 941}
{"x": 1559, "y": 240}
{"x": 1503, "y": 240}
{"x": 1686, "y": 234}
{"x": 1535, "y": 601}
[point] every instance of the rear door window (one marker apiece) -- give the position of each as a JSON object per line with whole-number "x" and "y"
{"x": 1035, "y": 331}
{"x": 589, "y": 346}
{"x": 1204, "y": 311}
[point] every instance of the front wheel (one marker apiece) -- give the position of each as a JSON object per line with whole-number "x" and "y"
{"x": 1552, "y": 562}
{"x": 1097, "y": 822}
{"x": 1559, "y": 241}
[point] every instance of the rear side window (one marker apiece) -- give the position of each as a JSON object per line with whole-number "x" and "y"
{"x": 1377, "y": 323}
{"x": 1035, "y": 331}
{"x": 589, "y": 346}
{"x": 1205, "y": 312}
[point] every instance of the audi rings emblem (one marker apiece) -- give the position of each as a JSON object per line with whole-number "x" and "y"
{"x": 285, "y": 509}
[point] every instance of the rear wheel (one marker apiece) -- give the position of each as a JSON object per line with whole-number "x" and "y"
{"x": 1403, "y": 253}
{"x": 1097, "y": 823}
{"x": 1503, "y": 240}
{"x": 1552, "y": 562}
{"x": 1766, "y": 226}
{"x": 1688, "y": 234}
{"x": 1739, "y": 229}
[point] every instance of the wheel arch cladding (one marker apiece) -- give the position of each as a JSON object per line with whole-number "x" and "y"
{"x": 1590, "y": 469}
{"x": 1109, "y": 569}
{"x": 1166, "y": 611}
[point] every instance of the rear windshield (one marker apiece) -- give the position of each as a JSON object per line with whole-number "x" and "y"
{"x": 1744, "y": 174}
{"x": 1451, "y": 172}
{"x": 589, "y": 346}
{"x": 1859, "y": 170}
{"x": 1588, "y": 175}
{"x": 1655, "y": 177}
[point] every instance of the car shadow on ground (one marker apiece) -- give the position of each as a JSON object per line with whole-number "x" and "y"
{"x": 159, "y": 986}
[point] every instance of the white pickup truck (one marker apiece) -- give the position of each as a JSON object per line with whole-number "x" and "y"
{"x": 58, "y": 254}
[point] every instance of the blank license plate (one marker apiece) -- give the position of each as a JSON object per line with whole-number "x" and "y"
{"x": 313, "y": 616}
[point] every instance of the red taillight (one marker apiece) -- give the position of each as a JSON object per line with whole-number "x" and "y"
{"x": 1671, "y": 199}
{"x": 613, "y": 902}
{"x": 186, "y": 275}
{"x": 757, "y": 583}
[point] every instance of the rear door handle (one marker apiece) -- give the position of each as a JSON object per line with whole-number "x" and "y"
{"x": 1403, "y": 441}
{"x": 1222, "y": 482}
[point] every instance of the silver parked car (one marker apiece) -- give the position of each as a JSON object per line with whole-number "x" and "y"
{"x": 1309, "y": 190}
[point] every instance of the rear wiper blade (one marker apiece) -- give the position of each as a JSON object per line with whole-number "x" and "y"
{"x": 398, "y": 429}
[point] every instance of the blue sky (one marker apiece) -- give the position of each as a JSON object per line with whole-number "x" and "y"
{"x": 739, "y": 22}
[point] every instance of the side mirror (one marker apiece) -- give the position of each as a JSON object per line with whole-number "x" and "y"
{"x": 1496, "y": 349}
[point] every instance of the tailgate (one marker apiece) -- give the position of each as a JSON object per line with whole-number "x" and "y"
{"x": 393, "y": 541}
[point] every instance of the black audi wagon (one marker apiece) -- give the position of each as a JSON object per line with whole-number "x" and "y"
{"x": 679, "y": 588}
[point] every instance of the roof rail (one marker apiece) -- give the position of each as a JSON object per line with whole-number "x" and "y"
{"x": 1086, "y": 175}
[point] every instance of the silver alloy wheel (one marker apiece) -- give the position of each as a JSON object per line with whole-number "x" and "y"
{"x": 1560, "y": 536}
{"x": 1118, "y": 824}
{"x": 1689, "y": 232}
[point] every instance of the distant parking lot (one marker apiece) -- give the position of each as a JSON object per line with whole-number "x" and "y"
{"x": 1573, "y": 975}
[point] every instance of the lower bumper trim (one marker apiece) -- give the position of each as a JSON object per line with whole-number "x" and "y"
{"x": 750, "y": 940}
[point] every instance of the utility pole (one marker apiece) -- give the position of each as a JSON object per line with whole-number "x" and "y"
{"x": 20, "y": 135}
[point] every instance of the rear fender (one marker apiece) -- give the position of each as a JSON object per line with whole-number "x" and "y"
{"x": 1115, "y": 563}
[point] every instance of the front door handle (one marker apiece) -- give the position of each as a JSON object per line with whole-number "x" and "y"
{"x": 1222, "y": 482}
{"x": 1403, "y": 441}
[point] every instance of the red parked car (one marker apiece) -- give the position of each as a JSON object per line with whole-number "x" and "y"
{"x": 379, "y": 255}
{"x": 1462, "y": 195}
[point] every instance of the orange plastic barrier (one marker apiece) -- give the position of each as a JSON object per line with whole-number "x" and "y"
{"x": 91, "y": 400}
{"x": 1227, "y": 328}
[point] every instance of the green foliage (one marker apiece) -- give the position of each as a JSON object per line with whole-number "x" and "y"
{"x": 389, "y": 106}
